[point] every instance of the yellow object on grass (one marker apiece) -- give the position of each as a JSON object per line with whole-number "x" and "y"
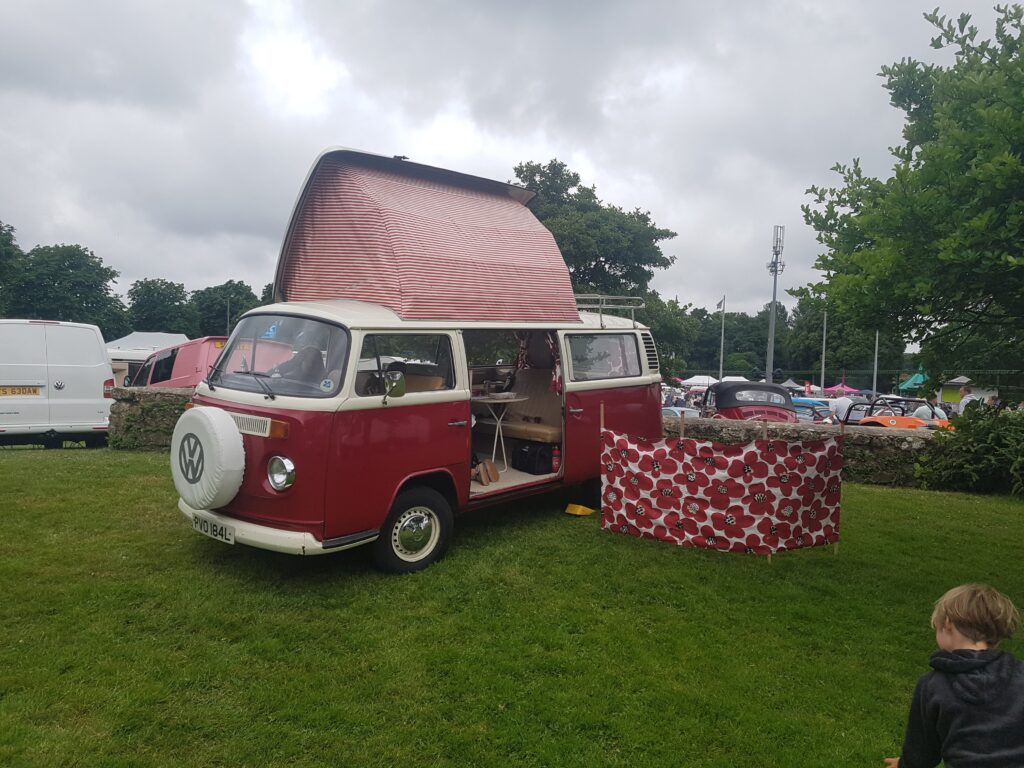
{"x": 579, "y": 509}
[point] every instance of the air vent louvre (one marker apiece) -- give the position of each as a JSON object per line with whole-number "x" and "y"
{"x": 651, "y": 350}
{"x": 252, "y": 425}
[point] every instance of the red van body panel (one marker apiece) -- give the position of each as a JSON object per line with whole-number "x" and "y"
{"x": 374, "y": 452}
{"x": 634, "y": 410}
{"x": 301, "y": 507}
{"x": 370, "y": 454}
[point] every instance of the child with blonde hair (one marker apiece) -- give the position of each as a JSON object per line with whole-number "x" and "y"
{"x": 969, "y": 711}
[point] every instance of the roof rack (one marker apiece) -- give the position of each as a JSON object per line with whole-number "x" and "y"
{"x": 610, "y": 304}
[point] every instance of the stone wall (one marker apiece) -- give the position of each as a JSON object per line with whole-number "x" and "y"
{"x": 143, "y": 418}
{"x": 872, "y": 454}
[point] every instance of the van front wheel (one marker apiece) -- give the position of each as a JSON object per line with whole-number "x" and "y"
{"x": 416, "y": 533}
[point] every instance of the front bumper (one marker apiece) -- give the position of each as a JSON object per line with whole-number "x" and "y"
{"x": 275, "y": 539}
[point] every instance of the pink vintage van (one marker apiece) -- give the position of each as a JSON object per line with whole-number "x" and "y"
{"x": 351, "y": 412}
{"x": 184, "y": 365}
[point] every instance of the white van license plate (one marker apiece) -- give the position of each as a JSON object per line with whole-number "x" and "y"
{"x": 11, "y": 391}
{"x": 207, "y": 527}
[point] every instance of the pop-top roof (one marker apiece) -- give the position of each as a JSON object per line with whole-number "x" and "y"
{"x": 428, "y": 243}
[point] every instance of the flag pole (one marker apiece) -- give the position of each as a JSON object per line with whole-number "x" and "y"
{"x": 874, "y": 376}
{"x": 721, "y": 345}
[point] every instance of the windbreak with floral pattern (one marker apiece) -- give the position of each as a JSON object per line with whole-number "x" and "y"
{"x": 760, "y": 497}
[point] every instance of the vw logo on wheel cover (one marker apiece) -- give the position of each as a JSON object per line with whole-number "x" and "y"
{"x": 190, "y": 458}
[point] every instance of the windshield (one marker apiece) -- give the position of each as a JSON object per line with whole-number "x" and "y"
{"x": 283, "y": 355}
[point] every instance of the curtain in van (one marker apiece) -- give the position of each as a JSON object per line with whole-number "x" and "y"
{"x": 556, "y": 362}
{"x": 523, "y": 355}
{"x": 760, "y": 497}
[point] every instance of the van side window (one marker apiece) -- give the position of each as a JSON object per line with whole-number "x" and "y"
{"x": 425, "y": 359}
{"x": 603, "y": 356}
{"x": 163, "y": 367}
{"x": 142, "y": 377}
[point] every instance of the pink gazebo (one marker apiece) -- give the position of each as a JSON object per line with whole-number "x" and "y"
{"x": 840, "y": 389}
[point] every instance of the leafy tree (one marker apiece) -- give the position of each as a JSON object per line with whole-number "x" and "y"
{"x": 219, "y": 307}
{"x": 267, "y": 297}
{"x": 742, "y": 363}
{"x": 849, "y": 344}
{"x": 934, "y": 252}
{"x": 607, "y": 249}
{"x": 160, "y": 305}
{"x": 65, "y": 282}
{"x": 10, "y": 255}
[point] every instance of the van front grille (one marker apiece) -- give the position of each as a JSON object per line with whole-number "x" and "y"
{"x": 651, "y": 350}
{"x": 252, "y": 425}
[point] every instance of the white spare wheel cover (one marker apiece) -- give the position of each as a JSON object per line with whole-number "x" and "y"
{"x": 207, "y": 458}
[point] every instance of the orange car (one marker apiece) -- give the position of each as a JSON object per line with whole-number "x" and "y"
{"x": 896, "y": 413}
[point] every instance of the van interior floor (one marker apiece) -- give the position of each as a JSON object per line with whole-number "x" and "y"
{"x": 509, "y": 479}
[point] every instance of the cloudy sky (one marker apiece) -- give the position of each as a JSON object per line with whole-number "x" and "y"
{"x": 172, "y": 138}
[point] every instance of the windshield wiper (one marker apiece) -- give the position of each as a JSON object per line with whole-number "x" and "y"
{"x": 259, "y": 378}
{"x": 208, "y": 381}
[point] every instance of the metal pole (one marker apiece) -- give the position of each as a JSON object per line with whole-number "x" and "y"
{"x": 774, "y": 266}
{"x": 721, "y": 346}
{"x": 227, "y": 319}
{"x": 824, "y": 329}
{"x": 874, "y": 377}
{"x": 770, "y": 365}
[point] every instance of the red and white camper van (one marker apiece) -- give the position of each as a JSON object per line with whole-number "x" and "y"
{"x": 402, "y": 360}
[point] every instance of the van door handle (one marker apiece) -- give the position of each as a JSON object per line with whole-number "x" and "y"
{"x": 457, "y": 423}
{"x": 575, "y": 411}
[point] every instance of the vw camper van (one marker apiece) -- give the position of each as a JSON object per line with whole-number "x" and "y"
{"x": 56, "y": 383}
{"x": 351, "y": 412}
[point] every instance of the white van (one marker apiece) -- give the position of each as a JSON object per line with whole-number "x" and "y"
{"x": 56, "y": 383}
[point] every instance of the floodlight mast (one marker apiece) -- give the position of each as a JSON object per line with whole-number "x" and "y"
{"x": 775, "y": 266}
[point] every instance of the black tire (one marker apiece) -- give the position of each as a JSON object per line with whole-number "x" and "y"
{"x": 417, "y": 532}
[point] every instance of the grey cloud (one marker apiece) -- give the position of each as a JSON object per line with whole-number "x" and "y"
{"x": 148, "y": 53}
{"x": 138, "y": 130}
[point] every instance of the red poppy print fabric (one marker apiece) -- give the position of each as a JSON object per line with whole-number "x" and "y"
{"x": 763, "y": 497}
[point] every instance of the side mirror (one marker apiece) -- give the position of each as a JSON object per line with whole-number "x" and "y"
{"x": 127, "y": 381}
{"x": 394, "y": 384}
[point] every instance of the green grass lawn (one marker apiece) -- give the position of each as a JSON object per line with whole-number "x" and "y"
{"x": 128, "y": 640}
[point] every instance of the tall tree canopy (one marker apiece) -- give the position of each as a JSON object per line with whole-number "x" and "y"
{"x": 9, "y": 254}
{"x": 219, "y": 306}
{"x": 607, "y": 249}
{"x": 160, "y": 305}
{"x": 850, "y": 344}
{"x": 935, "y": 251}
{"x": 65, "y": 282}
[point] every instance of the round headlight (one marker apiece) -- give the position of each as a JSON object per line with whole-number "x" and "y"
{"x": 280, "y": 472}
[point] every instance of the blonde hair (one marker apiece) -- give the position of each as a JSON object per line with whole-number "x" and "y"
{"x": 979, "y": 612}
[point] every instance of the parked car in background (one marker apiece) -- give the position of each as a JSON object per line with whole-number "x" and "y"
{"x": 895, "y": 412}
{"x": 675, "y": 412}
{"x": 809, "y": 413}
{"x": 749, "y": 401}
{"x": 56, "y": 383}
{"x": 183, "y": 365}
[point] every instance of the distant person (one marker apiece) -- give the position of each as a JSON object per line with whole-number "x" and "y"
{"x": 926, "y": 411}
{"x": 969, "y": 711}
{"x": 966, "y": 397}
{"x": 841, "y": 407}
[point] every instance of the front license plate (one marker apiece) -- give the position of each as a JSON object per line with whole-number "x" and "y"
{"x": 7, "y": 390}
{"x": 214, "y": 530}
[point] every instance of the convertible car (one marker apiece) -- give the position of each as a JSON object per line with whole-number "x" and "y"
{"x": 749, "y": 401}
